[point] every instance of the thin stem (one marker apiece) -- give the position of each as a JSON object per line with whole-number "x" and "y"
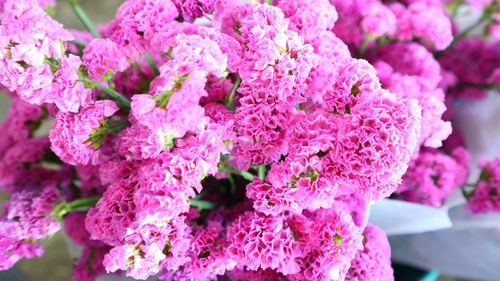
{"x": 261, "y": 172}
{"x": 203, "y": 205}
{"x": 487, "y": 86}
{"x": 114, "y": 95}
{"x": 269, "y": 2}
{"x": 229, "y": 102}
{"x": 232, "y": 184}
{"x": 84, "y": 202}
{"x": 363, "y": 46}
{"x": 244, "y": 174}
{"x": 63, "y": 208}
{"x": 80, "y": 13}
{"x": 118, "y": 126}
{"x": 152, "y": 64}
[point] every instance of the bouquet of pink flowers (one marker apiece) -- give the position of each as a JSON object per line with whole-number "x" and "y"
{"x": 222, "y": 140}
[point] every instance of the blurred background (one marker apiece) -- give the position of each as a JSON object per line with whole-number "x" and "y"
{"x": 56, "y": 264}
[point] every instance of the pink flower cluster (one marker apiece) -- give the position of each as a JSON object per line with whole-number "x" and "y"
{"x": 230, "y": 140}
{"x": 485, "y": 197}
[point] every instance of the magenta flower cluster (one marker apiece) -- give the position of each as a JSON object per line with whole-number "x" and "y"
{"x": 232, "y": 140}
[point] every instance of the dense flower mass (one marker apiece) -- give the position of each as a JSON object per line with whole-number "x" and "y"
{"x": 434, "y": 175}
{"x": 235, "y": 140}
{"x": 486, "y": 194}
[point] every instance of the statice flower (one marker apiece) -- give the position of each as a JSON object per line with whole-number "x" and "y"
{"x": 472, "y": 63}
{"x": 148, "y": 248}
{"x": 192, "y": 9}
{"x": 21, "y": 121}
{"x": 76, "y": 138}
{"x": 109, "y": 219}
{"x": 260, "y": 126}
{"x": 333, "y": 54}
{"x": 235, "y": 140}
{"x": 299, "y": 182}
{"x": 427, "y": 22}
{"x": 409, "y": 70}
{"x": 33, "y": 61}
{"x": 362, "y": 21}
{"x": 172, "y": 107}
{"x": 355, "y": 79}
{"x": 434, "y": 175}
{"x": 102, "y": 57}
{"x": 43, "y": 3}
{"x": 373, "y": 263}
{"x": 333, "y": 242}
{"x": 67, "y": 92}
{"x": 377, "y": 141}
{"x": 263, "y": 242}
{"x": 309, "y": 18}
{"x": 136, "y": 21}
{"x": 26, "y": 219}
{"x": 276, "y": 58}
{"x": 378, "y": 20}
{"x": 208, "y": 252}
{"x": 485, "y": 196}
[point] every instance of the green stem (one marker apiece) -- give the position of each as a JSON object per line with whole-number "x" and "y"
{"x": 229, "y": 102}
{"x": 118, "y": 126}
{"x": 152, "y": 64}
{"x": 232, "y": 184}
{"x": 80, "y": 13}
{"x": 124, "y": 102}
{"x": 244, "y": 174}
{"x": 84, "y": 202}
{"x": 363, "y": 46}
{"x": 269, "y": 2}
{"x": 203, "y": 205}
{"x": 63, "y": 208}
{"x": 487, "y": 86}
{"x": 261, "y": 172}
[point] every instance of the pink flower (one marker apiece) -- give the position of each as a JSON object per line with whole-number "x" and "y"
{"x": 276, "y": 59}
{"x": 377, "y": 142}
{"x": 374, "y": 261}
{"x": 428, "y": 22}
{"x": 208, "y": 252}
{"x": 30, "y": 38}
{"x": 26, "y": 219}
{"x": 142, "y": 257}
{"x": 485, "y": 196}
{"x": 114, "y": 212}
{"x": 103, "y": 56}
{"x": 261, "y": 124}
{"x": 378, "y": 20}
{"x": 136, "y": 22}
{"x": 263, "y": 242}
{"x": 332, "y": 244}
{"x": 355, "y": 79}
{"x": 67, "y": 92}
{"x": 434, "y": 175}
{"x": 409, "y": 70}
{"x": 76, "y": 138}
{"x": 309, "y": 18}
{"x": 191, "y": 9}
{"x": 473, "y": 62}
